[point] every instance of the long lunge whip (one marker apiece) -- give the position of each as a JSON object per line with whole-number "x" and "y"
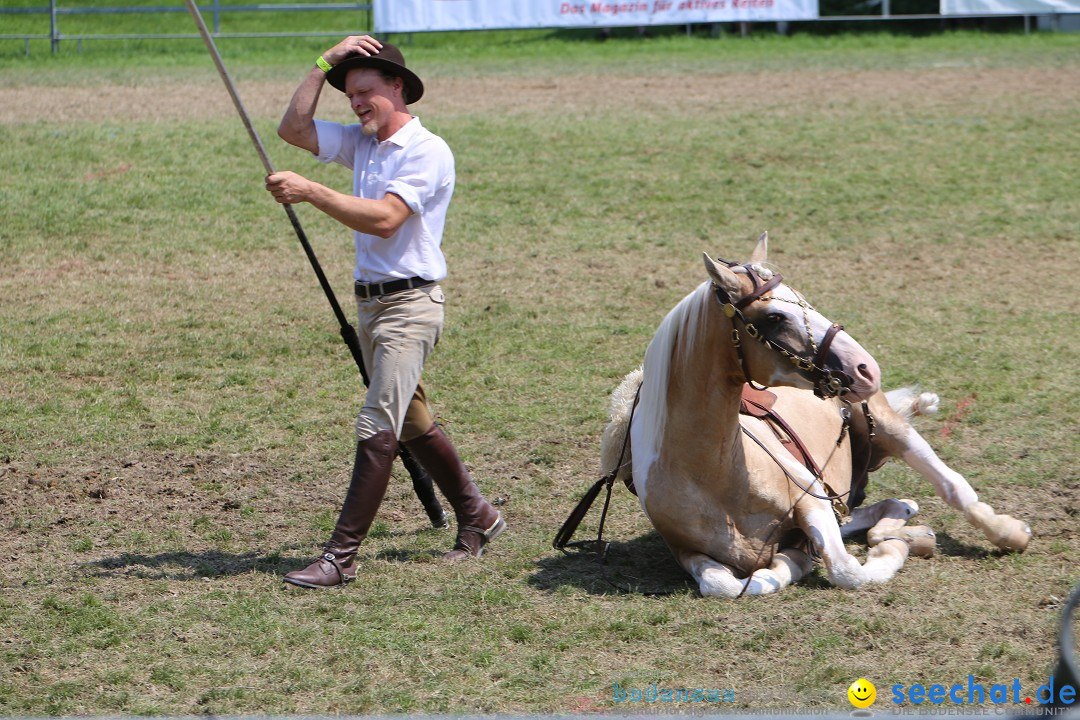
{"x": 421, "y": 480}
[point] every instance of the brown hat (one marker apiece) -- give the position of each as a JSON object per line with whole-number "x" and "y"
{"x": 389, "y": 59}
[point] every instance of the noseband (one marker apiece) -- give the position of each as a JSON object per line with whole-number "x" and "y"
{"x": 827, "y": 383}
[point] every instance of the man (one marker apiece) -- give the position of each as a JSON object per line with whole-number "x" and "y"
{"x": 403, "y": 179}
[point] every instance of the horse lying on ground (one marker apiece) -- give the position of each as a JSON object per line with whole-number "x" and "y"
{"x": 740, "y": 511}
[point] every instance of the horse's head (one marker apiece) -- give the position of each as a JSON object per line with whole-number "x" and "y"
{"x": 796, "y": 345}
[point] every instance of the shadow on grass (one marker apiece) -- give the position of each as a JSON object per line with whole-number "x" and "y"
{"x": 642, "y": 566}
{"x": 946, "y": 545}
{"x": 182, "y": 565}
{"x": 950, "y": 546}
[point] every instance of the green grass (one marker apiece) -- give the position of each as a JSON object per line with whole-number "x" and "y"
{"x": 176, "y": 406}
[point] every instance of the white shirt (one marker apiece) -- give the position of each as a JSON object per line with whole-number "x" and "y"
{"x": 417, "y": 166}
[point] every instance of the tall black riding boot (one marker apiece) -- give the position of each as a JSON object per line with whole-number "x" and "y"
{"x": 370, "y": 476}
{"x": 478, "y": 521}
{"x": 417, "y": 420}
{"x": 421, "y": 481}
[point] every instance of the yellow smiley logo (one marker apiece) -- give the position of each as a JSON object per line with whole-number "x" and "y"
{"x": 862, "y": 693}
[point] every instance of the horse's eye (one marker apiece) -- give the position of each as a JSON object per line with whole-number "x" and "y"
{"x": 775, "y": 318}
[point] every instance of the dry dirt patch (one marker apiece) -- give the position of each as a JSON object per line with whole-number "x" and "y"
{"x": 108, "y": 503}
{"x": 919, "y": 89}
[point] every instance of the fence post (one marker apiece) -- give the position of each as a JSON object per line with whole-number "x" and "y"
{"x": 54, "y": 31}
{"x": 217, "y": 17}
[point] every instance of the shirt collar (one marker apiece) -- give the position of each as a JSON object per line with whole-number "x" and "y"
{"x": 407, "y": 132}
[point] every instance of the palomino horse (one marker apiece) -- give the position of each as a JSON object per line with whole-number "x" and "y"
{"x": 738, "y": 510}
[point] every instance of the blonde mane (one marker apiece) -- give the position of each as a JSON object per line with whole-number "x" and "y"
{"x": 678, "y": 334}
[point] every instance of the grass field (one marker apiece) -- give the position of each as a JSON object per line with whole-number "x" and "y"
{"x": 176, "y": 406}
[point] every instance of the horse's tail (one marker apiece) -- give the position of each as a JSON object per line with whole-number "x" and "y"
{"x": 910, "y": 401}
{"x": 614, "y": 445}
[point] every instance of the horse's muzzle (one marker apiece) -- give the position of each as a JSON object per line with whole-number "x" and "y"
{"x": 857, "y": 370}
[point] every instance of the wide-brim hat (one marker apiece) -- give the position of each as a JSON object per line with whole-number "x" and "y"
{"x": 389, "y": 59}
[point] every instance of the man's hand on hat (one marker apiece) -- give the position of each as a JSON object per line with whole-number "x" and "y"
{"x": 352, "y": 45}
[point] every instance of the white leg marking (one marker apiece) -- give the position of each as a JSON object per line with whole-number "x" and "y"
{"x": 714, "y": 579}
{"x": 718, "y": 580}
{"x": 787, "y": 567}
{"x": 1004, "y": 531}
{"x": 887, "y": 520}
{"x": 949, "y": 484}
{"x": 844, "y": 570}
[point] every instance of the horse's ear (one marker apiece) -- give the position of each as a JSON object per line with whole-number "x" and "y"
{"x": 761, "y": 252}
{"x": 723, "y": 276}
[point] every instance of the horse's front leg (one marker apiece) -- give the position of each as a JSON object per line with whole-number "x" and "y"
{"x": 898, "y": 438}
{"x": 717, "y": 579}
{"x": 1004, "y": 531}
{"x": 817, "y": 520}
{"x": 814, "y": 515}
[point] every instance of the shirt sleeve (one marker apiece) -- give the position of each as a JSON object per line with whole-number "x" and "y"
{"x": 423, "y": 174}
{"x": 337, "y": 142}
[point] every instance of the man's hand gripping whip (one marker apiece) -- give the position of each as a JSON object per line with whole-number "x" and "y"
{"x": 421, "y": 480}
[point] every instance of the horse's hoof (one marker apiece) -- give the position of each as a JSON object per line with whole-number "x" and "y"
{"x": 927, "y": 403}
{"x": 1012, "y": 534}
{"x": 921, "y": 541}
{"x": 1004, "y": 531}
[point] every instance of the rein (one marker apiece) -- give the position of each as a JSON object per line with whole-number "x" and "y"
{"x": 562, "y": 538}
{"x": 837, "y": 499}
{"x": 839, "y": 505}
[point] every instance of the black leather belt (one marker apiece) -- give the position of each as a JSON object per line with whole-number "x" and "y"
{"x": 365, "y": 291}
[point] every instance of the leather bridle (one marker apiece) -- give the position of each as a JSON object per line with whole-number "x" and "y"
{"x": 827, "y": 383}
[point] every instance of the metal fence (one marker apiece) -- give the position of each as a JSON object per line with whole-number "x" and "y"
{"x": 213, "y": 10}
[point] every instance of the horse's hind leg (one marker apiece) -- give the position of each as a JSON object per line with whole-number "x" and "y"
{"x": 817, "y": 520}
{"x": 717, "y": 579}
{"x": 888, "y": 519}
{"x": 898, "y": 438}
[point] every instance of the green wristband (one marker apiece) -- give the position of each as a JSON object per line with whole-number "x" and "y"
{"x": 323, "y": 65}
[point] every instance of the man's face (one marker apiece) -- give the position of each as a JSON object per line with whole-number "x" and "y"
{"x": 372, "y": 98}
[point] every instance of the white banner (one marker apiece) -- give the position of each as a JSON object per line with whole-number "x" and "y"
{"x": 1009, "y": 7}
{"x": 423, "y": 15}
